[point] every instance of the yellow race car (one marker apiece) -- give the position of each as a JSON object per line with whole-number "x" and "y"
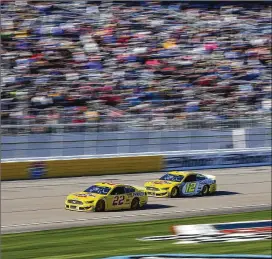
{"x": 177, "y": 184}
{"x": 107, "y": 197}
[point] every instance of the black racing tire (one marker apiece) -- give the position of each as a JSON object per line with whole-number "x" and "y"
{"x": 174, "y": 192}
{"x": 135, "y": 204}
{"x": 205, "y": 190}
{"x": 100, "y": 206}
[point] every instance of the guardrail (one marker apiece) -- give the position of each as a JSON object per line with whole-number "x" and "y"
{"x": 166, "y": 154}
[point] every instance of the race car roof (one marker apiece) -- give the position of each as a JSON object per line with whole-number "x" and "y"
{"x": 107, "y": 184}
{"x": 183, "y": 173}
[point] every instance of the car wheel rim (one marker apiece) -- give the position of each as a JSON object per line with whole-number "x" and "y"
{"x": 205, "y": 190}
{"x": 174, "y": 192}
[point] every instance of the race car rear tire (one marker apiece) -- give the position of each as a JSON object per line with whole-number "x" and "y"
{"x": 174, "y": 192}
{"x": 100, "y": 206}
{"x": 205, "y": 190}
{"x": 135, "y": 204}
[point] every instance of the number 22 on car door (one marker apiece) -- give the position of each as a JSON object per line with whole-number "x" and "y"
{"x": 118, "y": 202}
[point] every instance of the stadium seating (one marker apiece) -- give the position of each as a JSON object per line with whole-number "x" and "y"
{"x": 84, "y": 61}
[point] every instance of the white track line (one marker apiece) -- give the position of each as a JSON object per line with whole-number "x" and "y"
{"x": 134, "y": 215}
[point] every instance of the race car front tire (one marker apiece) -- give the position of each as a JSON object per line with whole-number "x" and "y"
{"x": 100, "y": 206}
{"x": 174, "y": 192}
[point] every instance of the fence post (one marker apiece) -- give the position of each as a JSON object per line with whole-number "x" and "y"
{"x": 239, "y": 138}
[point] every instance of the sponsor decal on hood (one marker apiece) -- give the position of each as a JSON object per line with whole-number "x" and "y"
{"x": 160, "y": 182}
{"x": 84, "y": 195}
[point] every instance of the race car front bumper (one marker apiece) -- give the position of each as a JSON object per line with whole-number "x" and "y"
{"x": 79, "y": 207}
{"x": 159, "y": 194}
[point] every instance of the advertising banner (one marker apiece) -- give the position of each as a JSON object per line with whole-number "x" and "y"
{"x": 73, "y": 167}
{"x": 217, "y": 233}
{"x": 219, "y": 160}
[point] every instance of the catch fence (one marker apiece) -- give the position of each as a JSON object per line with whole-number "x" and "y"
{"x": 144, "y": 123}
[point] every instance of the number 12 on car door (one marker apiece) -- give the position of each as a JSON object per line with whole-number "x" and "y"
{"x": 190, "y": 188}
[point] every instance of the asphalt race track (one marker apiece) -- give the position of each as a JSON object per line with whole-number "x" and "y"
{"x": 39, "y": 204}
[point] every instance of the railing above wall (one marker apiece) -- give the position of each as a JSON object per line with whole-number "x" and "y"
{"x": 198, "y": 153}
{"x": 142, "y": 124}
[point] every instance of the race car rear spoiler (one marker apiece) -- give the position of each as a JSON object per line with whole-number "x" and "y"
{"x": 212, "y": 177}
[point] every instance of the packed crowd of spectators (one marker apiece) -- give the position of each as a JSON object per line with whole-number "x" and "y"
{"x": 82, "y": 61}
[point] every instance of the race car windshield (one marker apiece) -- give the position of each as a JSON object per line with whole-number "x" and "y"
{"x": 172, "y": 178}
{"x": 98, "y": 189}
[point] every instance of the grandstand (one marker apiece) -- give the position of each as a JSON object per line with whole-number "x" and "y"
{"x": 147, "y": 63}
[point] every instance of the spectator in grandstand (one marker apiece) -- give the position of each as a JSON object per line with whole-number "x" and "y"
{"x": 83, "y": 61}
